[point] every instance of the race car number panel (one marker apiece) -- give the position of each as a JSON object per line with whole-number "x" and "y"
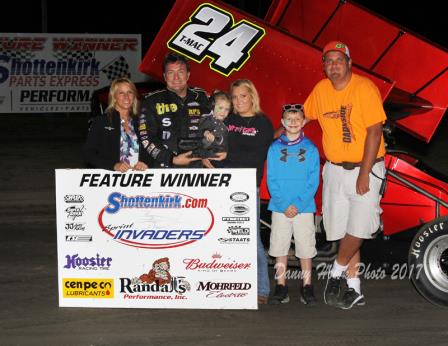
{"x": 212, "y": 32}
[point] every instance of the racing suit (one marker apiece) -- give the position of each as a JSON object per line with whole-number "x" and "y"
{"x": 165, "y": 118}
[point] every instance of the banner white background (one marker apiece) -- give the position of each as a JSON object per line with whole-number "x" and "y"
{"x": 178, "y": 238}
{"x": 47, "y": 73}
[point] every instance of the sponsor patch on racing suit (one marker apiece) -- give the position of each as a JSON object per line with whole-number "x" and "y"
{"x": 165, "y": 118}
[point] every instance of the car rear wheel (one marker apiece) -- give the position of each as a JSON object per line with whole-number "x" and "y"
{"x": 428, "y": 261}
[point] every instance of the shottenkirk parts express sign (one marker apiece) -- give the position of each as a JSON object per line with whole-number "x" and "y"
{"x": 45, "y": 73}
{"x": 180, "y": 238}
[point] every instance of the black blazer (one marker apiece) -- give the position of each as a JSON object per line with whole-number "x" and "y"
{"x": 102, "y": 147}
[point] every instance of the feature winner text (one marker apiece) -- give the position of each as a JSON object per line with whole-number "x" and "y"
{"x": 146, "y": 179}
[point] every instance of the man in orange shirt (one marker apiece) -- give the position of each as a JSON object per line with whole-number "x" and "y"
{"x": 350, "y": 112}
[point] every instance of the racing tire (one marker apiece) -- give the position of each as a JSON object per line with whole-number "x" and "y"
{"x": 428, "y": 261}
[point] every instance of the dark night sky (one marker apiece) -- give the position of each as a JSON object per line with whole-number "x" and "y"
{"x": 423, "y": 17}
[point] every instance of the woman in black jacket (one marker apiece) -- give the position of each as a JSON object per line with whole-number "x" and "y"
{"x": 112, "y": 141}
{"x": 250, "y": 133}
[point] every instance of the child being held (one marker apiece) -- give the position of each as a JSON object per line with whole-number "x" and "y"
{"x": 213, "y": 128}
{"x": 293, "y": 178}
{"x": 213, "y": 141}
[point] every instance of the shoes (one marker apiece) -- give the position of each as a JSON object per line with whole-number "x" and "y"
{"x": 332, "y": 290}
{"x": 280, "y": 295}
{"x": 307, "y": 295}
{"x": 350, "y": 298}
{"x": 262, "y": 300}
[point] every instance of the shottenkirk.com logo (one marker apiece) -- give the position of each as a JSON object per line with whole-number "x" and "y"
{"x": 158, "y": 221}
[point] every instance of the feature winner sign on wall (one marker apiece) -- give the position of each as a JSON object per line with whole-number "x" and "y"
{"x": 46, "y": 73}
{"x": 177, "y": 238}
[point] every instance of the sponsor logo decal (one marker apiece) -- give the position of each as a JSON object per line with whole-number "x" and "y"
{"x": 152, "y": 221}
{"x": 74, "y": 211}
{"x": 75, "y": 226}
{"x": 232, "y": 219}
{"x": 217, "y": 264}
{"x": 73, "y": 199}
{"x": 77, "y": 237}
{"x": 87, "y": 263}
{"x": 88, "y": 288}
{"x": 239, "y": 209}
{"x": 233, "y": 240}
{"x": 239, "y": 197}
{"x": 224, "y": 289}
{"x": 158, "y": 282}
{"x": 238, "y": 230}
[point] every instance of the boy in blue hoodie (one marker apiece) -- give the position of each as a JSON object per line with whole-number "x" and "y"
{"x": 293, "y": 178}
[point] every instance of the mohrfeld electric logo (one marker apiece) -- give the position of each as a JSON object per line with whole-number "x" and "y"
{"x": 157, "y": 221}
{"x": 88, "y": 288}
{"x": 224, "y": 289}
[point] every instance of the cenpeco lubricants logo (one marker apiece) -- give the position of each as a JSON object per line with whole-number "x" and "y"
{"x": 88, "y": 288}
{"x": 157, "y": 221}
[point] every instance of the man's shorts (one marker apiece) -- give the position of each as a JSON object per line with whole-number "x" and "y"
{"x": 283, "y": 228}
{"x": 343, "y": 210}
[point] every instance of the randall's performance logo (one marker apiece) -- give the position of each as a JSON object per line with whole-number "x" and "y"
{"x": 158, "y": 221}
{"x": 157, "y": 280}
{"x": 216, "y": 265}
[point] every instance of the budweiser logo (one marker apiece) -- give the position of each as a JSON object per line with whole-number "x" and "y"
{"x": 197, "y": 264}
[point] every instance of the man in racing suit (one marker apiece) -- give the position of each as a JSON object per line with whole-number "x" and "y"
{"x": 172, "y": 114}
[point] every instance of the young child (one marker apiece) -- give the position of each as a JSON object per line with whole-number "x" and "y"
{"x": 293, "y": 177}
{"x": 214, "y": 130}
{"x": 211, "y": 130}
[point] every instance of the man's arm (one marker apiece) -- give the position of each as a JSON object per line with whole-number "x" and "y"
{"x": 148, "y": 130}
{"x": 371, "y": 147}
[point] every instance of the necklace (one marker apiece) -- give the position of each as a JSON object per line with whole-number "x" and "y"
{"x": 248, "y": 120}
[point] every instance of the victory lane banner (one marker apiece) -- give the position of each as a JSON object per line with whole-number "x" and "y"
{"x": 58, "y": 73}
{"x": 162, "y": 238}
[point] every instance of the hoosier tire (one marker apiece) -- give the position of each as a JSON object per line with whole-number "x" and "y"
{"x": 428, "y": 261}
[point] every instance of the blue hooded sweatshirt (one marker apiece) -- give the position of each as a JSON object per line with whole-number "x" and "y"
{"x": 293, "y": 174}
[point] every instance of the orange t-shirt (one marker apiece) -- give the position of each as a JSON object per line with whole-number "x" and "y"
{"x": 344, "y": 116}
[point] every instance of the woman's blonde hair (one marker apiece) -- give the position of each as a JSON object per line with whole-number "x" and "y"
{"x": 252, "y": 92}
{"x": 112, "y": 91}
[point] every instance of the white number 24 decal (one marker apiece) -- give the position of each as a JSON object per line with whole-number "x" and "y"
{"x": 212, "y": 32}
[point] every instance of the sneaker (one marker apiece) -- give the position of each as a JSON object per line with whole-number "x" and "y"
{"x": 307, "y": 295}
{"x": 332, "y": 290}
{"x": 280, "y": 295}
{"x": 351, "y": 298}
